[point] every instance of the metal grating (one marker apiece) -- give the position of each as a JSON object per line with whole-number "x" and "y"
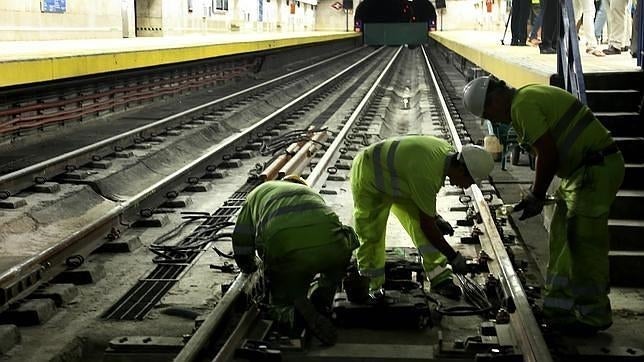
{"x": 148, "y": 291}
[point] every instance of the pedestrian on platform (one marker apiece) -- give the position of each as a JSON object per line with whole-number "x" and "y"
{"x": 297, "y": 236}
{"x": 617, "y": 34}
{"x": 520, "y": 15}
{"x": 600, "y": 20}
{"x": 587, "y": 9}
{"x": 403, "y": 175}
{"x": 534, "y": 38}
{"x": 572, "y": 144}
{"x": 550, "y": 25}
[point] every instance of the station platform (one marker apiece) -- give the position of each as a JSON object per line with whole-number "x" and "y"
{"x": 521, "y": 65}
{"x": 23, "y": 62}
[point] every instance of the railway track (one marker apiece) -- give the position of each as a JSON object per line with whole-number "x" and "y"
{"x": 311, "y": 122}
{"x": 126, "y": 197}
{"x": 411, "y": 106}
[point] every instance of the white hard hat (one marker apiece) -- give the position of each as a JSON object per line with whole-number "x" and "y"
{"x": 478, "y": 161}
{"x": 474, "y": 95}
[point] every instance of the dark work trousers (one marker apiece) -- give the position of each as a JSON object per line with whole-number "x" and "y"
{"x": 550, "y": 24}
{"x": 520, "y": 14}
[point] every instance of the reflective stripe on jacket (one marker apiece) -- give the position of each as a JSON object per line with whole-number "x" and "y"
{"x": 276, "y": 206}
{"x": 408, "y": 168}
{"x": 539, "y": 108}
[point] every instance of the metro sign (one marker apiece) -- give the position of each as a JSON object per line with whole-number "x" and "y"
{"x": 337, "y": 5}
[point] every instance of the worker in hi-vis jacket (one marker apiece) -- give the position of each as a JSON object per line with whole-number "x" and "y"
{"x": 571, "y": 143}
{"x": 297, "y": 236}
{"x": 403, "y": 175}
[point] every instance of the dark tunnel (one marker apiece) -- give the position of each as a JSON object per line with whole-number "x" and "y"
{"x": 395, "y": 11}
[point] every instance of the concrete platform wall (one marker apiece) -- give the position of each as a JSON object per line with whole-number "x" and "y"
{"x": 472, "y": 15}
{"x": 24, "y": 20}
{"x": 332, "y": 19}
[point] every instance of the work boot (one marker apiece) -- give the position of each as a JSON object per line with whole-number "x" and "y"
{"x": 322, "y": 299}
{"x": 357, "y": 288}
{"x": 320, "y": 326}
{"x": 448, "y": 289}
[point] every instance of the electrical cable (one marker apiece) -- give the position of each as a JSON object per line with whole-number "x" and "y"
{"x": 203, "y": 236}
{"x": 473, "y": 294}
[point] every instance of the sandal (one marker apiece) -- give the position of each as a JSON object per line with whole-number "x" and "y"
{"x": 534, "y": 42}
{"x": 596, "y": 52}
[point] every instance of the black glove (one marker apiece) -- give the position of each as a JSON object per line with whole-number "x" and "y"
{"x": 459, "y": 264}
{"x": 531, "y": 206}
{"x": 444, "y": 226}
{"x": 246, "y": 264}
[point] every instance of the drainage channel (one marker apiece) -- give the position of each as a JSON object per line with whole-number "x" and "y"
{"x": 173, "y": 261}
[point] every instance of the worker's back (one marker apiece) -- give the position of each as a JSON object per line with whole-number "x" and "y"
{"x": 537, "y": 108}
{"x": 407, "y": 168}
{"x": 282, "y": 216}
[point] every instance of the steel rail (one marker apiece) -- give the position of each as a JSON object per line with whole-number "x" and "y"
{"x": 206, "y": 331}
{"x": 248, "y": 320}
{"x": 315, "y": 177}
{"x": 529, "y": 335}
{"x": 33, "y": 266}
{"x": 213, "y": 320}
{"x": 19, "y": 180}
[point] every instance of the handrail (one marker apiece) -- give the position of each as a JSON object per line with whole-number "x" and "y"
{"x": 568, "y": 58}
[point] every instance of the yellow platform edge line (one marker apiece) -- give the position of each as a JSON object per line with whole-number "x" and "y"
{"x": 513, "y": 74}
{"x": 46, "y": 69}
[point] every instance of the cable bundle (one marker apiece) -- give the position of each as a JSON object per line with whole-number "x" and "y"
{"x": 474, "y": 294}
{"x": 203, "y": 235}
{"x": 287, "y": 139}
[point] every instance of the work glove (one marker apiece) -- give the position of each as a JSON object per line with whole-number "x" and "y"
{"x": 531, "y": 206}
{"x": 444, "y": 226}
{"x": 459, "y": 264}
{"x": 246, "y": 264}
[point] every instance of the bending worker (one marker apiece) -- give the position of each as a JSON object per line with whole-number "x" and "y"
{"x": 297, "y": 236}
{"x": 404, "y": 175}
{"x": 571, "y": 143}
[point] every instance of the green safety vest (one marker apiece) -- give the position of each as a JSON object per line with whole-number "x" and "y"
{"x": 408, "y": 168}
{"x": 539, "y": 108}
{"x": 277, "y": 206}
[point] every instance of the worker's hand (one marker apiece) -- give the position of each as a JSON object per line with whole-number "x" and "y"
{"x": 459, "y": 264}
{"x": 531, "y": 206}
{"x": 246, "y": 264}
{"x": 444, "y": 226}
{"x": 248, "y": 268}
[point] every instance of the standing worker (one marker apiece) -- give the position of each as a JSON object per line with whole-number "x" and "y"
{"x": 571, "y": 143}
{"x": 404, "y": 175}
{"x": 297, "y": 236}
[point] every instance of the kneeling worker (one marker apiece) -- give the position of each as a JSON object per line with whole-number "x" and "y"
{"x": 403, "y": 175}
{"x": 297, "y": 236}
